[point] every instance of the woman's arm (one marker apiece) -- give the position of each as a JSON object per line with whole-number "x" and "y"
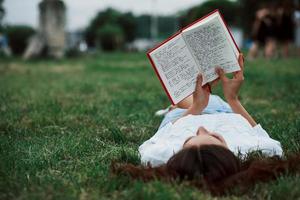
{"x": 200, "y": 98}
{"x": 231, "y": 89}
{"x": 238, "y": 108}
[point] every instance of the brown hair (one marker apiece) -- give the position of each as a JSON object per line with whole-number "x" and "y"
{"x": 214, "y": 168}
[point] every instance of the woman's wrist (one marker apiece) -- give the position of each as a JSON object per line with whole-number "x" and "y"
{"x": 233, "y": 100}
{"x": 238, "y": 108}
{"x": 197, "y": 107}
{"x": 194, "y": 109}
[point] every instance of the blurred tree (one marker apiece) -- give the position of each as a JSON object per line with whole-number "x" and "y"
{"x": 167, "y": 25}
{"x": 127, "y": 22}
{"x": 18, "y": 37}
{"x": 143, "y": 26}
{"x": 229, "y": 10}
{"x": 110, "y": 37}
{"x": 124, "y": 22}
{"x": 131, "y": 27}
{"x": 2, "y": 12}
{"x": 107, "y": 16}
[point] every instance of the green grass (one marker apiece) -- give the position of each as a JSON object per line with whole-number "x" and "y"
{"x": 63, "y": 122}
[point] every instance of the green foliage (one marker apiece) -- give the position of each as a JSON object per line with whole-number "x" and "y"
{"x": 2, "y": 13}
{"x": 128, "y": 25}
{"x": 122, "y": 25}
{"x": 167, "y": 25}
{"x": 143, "y": 24}
{"x": 18, "y": 37}
{"x": 110, "y": 37}
{"x": 63, "y": 122}
{"x": 229, "y": 9}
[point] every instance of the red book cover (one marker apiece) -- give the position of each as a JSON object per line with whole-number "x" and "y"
{"x": 177, "y": 33}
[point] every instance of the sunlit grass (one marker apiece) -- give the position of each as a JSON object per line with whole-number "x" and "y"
{"x": 63, "y": 122}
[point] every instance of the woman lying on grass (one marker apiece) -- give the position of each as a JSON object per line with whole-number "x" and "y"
{"x": 203, "y": 138}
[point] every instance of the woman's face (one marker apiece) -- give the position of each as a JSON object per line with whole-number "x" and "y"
{"x": 204, "y": 137}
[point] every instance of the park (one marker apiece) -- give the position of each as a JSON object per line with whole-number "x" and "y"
{"x": 64, "y": 121}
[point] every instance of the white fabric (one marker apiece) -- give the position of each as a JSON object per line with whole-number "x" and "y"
{"x": 239, "y": 135}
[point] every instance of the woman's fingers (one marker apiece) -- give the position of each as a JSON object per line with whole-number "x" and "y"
{"x": 240, "y": 74}
{"x": 221, "y": 74}
{"x": 199, "y": 82}
{"x": 241, "y": 61}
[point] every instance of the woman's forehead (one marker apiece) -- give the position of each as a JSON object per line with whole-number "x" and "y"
{"x": 188, "y": 139}
{"x": 203, "y": 138}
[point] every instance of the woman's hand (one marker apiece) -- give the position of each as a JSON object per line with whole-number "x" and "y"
{"x": 231, "y": 89}
{"x": 200, "y": 98}
{"x": 201, "y": 94}
{"x": 232, "y": 86}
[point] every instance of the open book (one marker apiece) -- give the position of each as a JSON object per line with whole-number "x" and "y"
{"x": 198, "y": 48}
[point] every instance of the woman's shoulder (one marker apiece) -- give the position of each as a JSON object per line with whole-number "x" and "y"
{"x": 190, "y": 120}
{"x": 214, "y": 116}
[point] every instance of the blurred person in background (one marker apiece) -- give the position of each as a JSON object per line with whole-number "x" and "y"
{"x": 285, "y": 26}
{"x": 264, "y": 32}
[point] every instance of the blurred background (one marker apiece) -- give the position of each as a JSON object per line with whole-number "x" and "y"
{"x": 59, "y": 28}
{"x": 78, "y": 92}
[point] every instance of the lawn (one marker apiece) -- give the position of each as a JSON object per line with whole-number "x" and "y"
{"x": 63, "y": 122}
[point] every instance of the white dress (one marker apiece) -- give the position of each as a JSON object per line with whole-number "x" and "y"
{"x": 239, "y": 135}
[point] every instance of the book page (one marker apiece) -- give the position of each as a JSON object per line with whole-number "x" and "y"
{"x": 207, "y": 19}
{"x": 211, "y": 47}
{"x": 176, "y": 67}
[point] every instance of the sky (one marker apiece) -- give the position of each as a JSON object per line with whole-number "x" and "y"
{"x": 80, "y": 12}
